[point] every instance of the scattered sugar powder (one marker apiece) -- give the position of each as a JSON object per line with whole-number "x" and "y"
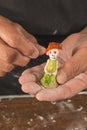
{"x": 80, "y": 108}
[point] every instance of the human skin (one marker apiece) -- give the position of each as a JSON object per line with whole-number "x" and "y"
{"x": 17, "y": 46}
{"x": 72, "y": 74}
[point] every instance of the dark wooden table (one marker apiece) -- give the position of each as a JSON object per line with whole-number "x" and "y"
{"x": 26, "y": 113}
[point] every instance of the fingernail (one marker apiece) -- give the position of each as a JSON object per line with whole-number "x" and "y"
{"x": 34, "y": 54}
{"x": 61, "y": 77}
{"x": 41, "y": 49}
{"x": 38, "y": 98}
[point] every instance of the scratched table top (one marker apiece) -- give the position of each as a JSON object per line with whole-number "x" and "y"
{"x": 26, "y": 113}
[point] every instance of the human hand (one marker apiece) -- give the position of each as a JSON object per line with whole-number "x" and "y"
{"x": 17, "y": 46}
{"x": 72, "y": 75}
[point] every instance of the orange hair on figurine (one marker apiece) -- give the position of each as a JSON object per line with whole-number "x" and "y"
{"x": 53, "y": 45}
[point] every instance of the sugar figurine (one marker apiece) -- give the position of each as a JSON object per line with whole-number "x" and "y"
{"x": 51, "y": 68}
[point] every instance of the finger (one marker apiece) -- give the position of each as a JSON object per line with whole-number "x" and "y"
{"x": 13, "y": 35}
{"x": 40, "y": 48}
{"x": 6, "y": 67}
{"x": 27, "y": 78}
{"x": 76, "y": 65}
{"x": 69, "y": 89}
{"x": 38, "y": 69}
{"x": 61, "y": 62}
{"x": 11, "y": 55}
{"x": 31, "y": 88}
{"x": 28, "y": 41}
{"x": 32, "y": 75}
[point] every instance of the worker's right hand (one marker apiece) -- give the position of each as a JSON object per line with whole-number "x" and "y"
{"x": 17, "y": 46}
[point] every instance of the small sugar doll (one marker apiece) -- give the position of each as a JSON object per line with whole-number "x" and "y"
{"x": 49, "y": 78}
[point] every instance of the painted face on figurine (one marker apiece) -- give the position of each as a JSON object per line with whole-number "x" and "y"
{"x": 53, "y": 53}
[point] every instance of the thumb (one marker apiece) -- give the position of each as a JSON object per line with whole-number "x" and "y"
{"x": 76, "y": 65}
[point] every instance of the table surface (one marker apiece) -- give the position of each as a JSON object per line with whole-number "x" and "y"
{"x": 26, "y": 113}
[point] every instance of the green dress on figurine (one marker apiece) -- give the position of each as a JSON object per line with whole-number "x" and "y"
{"x": 49, "y": 79}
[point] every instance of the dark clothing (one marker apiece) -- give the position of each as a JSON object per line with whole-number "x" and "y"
{"x": 48, "y": 17}
{"x": 48, "y": 20}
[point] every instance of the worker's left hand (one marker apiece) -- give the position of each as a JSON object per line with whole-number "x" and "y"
{"x": 72, "y": 74}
